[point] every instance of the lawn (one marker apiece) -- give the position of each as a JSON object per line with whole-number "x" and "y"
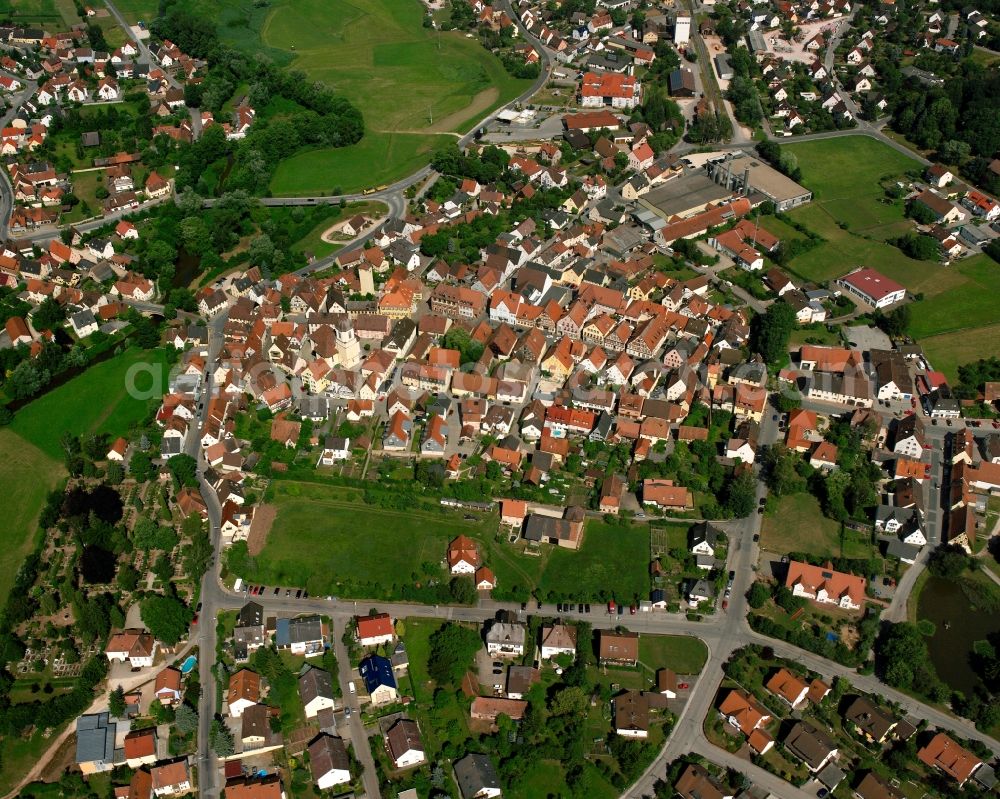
{"x": 848, "y": 168}
{"x": 418, "y": 650}
{"x": 325, "y": 539}
{"x": 313, "y": 242}
{"x": 681, "y": 653}
{"x": 961, "y": 299}
{"x": 613, "y": 562}
{"x": 377, "y": 159}
{"x": 27, "y": 475}
{"x": 343, "y": 547}
{"x": 798, "y": 525}
{"x": 844, "y": 175}
{"x": 97, "y": 401}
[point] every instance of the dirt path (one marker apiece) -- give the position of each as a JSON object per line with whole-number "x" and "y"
{"x": 483, "y": 100}
{"x": 479, "y": 104}
{"x": 260, "y": 527}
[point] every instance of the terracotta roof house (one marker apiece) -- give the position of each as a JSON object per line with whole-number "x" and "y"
{"x": 244, "y": 691}
{"x": 618, "y": 648}
{"x": 743, "y": 712}
{"x": 168, "y": 686}
{"x": 140, "y": 747}
{"x": 787, "y": 686}
{"x": 943, "y": 753}
{"x": 463, "y": 556}
{"x": 375, "y": 630}
{"x": 824, "y": 585}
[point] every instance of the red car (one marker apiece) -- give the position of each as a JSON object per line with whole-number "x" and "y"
{"x": 683, "y": 686}
{"x": 631, "y": 609}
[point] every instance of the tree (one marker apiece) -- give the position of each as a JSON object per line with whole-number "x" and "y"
{"x": 186, "y": 719}
{"x": 920, "y": 213}
{"x": 116, "y": 703}
{"x": 184, "y": 468}
{"x": 166, "y": 617}
{"x": 571, "y": 701}
{"x": 50, "y": 315}
{"x": 741, "y": 495}
{"x": 948, "y": 561}
{"x": 221, "y": 739}
{"x": 758, "y": 595}
{"x": 920, "y": 248}
{"x": 770, "y": 331}
{"x": 452, "y": 648}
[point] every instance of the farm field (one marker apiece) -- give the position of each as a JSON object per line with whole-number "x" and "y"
{"x": 409, "y": 81}
{"x": 136, "y": 10}
{"x": 51, "y": 13}
{"x": 96, "y": 401}
{"x": 798, "y": 525}
{"x": 351, "y": 549}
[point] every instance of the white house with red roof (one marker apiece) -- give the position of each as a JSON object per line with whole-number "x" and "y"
{"x": 873, "y": 287}
{"x": 375, "y": 629}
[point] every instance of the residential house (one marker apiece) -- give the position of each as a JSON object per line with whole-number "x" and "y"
{"x": 824, "y": 585}
{"x": 811, "y": 745}
{"x": 379, "y": 679}
{"x": 316, "y": 691}
{"x": 329, "y": 762}
{"x": 375, "y": 630}
{"x": 404, "y": 744}
{"x": 505, "y": 639}
{"x": 476, "y": 777}
{"x": 244, "y": 692}
{"x": 618, "y": 649}
{"x": 136, "y": 646}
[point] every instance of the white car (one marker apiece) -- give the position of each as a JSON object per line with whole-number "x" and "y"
{"x": 351, "y": 687}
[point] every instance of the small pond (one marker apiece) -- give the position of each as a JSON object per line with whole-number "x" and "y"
{"x": 958, "y": 627}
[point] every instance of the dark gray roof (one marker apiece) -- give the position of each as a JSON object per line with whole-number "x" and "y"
{"x": 251, "y": 615}
{"x": 95, "y": 738}
{"x": 474, "y": 773}
{"x": 315, "y": 683}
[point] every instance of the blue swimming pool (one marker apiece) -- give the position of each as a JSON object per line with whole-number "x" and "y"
{"x": 189, "y": 663}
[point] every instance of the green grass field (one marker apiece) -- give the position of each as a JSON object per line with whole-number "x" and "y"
{"x": 948, "y": 351}
{"x": 962, "y": 298}
{"x": 613, "y": 561}
{"x": 844, "y": 174}
{"x": 405, "y": 78}
{"x": 683, "y": 654}
{"x": 135, "y": 10}
{"x": 378, "y": 158}
{"x": 27, "y": 475}
{"x": 324, "y": 535}
{"x": 30, "y": 454}
{"x": 798, "y": 525}
{"x": 47, "y": 13}
{"x": 96, "y": 401}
